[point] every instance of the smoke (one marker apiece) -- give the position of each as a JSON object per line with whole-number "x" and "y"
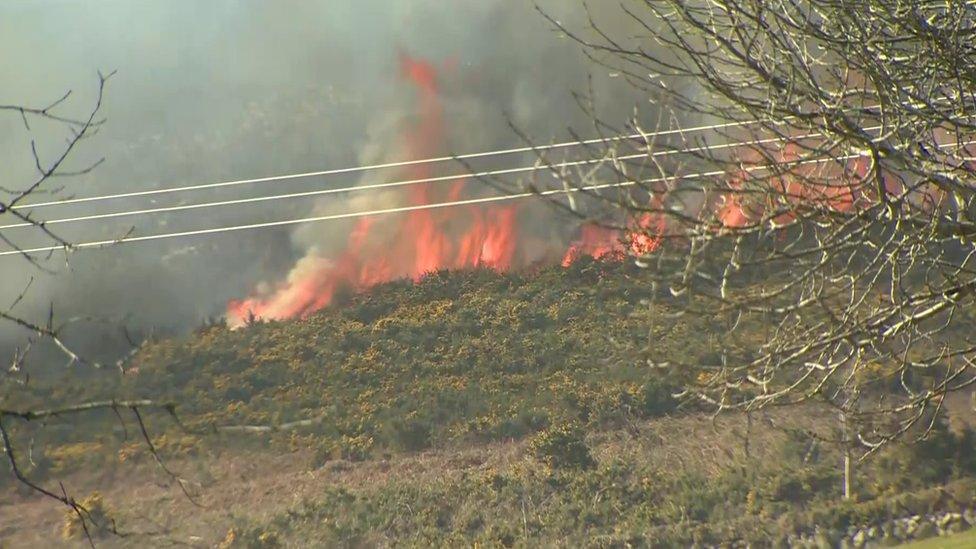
{"x": 225, "y": 89}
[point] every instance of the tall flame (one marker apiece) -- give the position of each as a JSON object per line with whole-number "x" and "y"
{"x": 384, "y": 248}
{"x": 419, "y": 242}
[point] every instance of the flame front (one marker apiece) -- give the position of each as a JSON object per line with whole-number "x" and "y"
{"x": 412, "y": 244}
{"x": 422, "y": 241}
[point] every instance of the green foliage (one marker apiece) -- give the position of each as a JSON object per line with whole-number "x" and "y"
{"x": 355, "y": 448}
{"x": 562, "y": 447}
{"x": 456, "y": 357}
{"x": 625, "y": 501}
{"x": 411, "y": 434}
{"x": 559, "y": 356}
{"x": 943, "y": 454}
{"x": 249, "y": 537}
{"x": 656, "y": 398}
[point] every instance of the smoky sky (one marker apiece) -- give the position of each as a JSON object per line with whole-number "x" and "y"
{"x": 224, "y": 89}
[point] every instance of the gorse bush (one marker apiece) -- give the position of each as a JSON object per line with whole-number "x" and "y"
{"x": 628, "y": 499}
{"x": 454, "y": 358}
{"x": 941, "y": 455}
{"x": 656, "y": 398}
{"x": 561, "y": 357}
{"x": 411, "y": 434}
{"x": 562, "y": 447}
{"x": 356, "y": 448}
{"x": 249, "y": 538}
{"x": 91, "y": 517}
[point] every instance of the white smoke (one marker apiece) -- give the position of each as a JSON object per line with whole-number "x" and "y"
{"x": 225, "y": 89}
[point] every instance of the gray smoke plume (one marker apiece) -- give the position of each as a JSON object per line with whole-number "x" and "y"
{"x": 229, "y": 89}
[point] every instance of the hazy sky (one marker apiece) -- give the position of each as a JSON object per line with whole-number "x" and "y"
{"x": 226, "y": 89}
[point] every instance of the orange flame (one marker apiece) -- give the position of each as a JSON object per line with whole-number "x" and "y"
{"x": 422, "y": 241}
{"x": 809, "y": 186}
{"x": 602, "y": 242}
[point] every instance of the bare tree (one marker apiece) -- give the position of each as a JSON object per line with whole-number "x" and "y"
{"x": 808, "y": 169}
{"x": 15, "y": 205}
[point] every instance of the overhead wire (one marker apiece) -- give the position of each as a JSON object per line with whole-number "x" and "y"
{"x": 387, "y": 165}
{"x": 331, "y": 217}
{"x": 385, "y": 211}
{"x": 129, "y": 239}
{"x": 405, "y": 163}
{"x": 395, "y": 184}
{"x": 401, "y": 209}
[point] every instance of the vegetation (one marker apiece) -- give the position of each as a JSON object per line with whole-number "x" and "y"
{"x": 90, "y": 518}
{"x": 624, "y": 499}
{"x": 550, "y": 369}
{"x": 959, "y": 541}
{"x": 562, "y": 447}
{"x": 467, "y": 356}
{"x": 816, "y": 254}
{"x": 822, "y": 147}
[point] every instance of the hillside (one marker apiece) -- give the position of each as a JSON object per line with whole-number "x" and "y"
{"x": 472, "y": 408}
{"x": 460, "y": 356}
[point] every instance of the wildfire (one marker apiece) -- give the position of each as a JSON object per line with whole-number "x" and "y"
{"x": 422, "y": 241}
{"x": 381, "y": 249}
{"x": 602, "y": 242}
{"x": 824, "y": 187}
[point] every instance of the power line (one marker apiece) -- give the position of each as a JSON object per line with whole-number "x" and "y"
{"x": 332, "y": 217}
{"x": 94, "y": 244}
{"x": 393, "y": 184}
{"x": 385, "y": 211}
{"x": 304, "y": 194}
{"x": 403, "y": 209}
{"x": 355, "y": 169}
{"x": 434, "y": 160}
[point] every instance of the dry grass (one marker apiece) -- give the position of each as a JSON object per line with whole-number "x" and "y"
{"x": 257, "y": 485}
{"x": 254, "y": 487}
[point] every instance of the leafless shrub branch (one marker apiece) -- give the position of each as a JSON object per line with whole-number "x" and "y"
{"x": 825, "y": 222}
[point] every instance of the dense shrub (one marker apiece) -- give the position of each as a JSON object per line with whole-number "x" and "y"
{"x": 92, "y": 519}
{"x": 656, "y": 398}
{"x": 349, "y": 448}
{"x": 942, "y": 455}
{"x": 411, "y": 434}
{"x": 482, "y": 356}
{"x": 562, "y": 447}
{"x": 627, "y": 500}
{"x": 458, "y": 356}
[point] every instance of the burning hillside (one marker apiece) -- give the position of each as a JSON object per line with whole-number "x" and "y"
{"x": 410, "y": 245}
{"x": 414, "y": 243}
